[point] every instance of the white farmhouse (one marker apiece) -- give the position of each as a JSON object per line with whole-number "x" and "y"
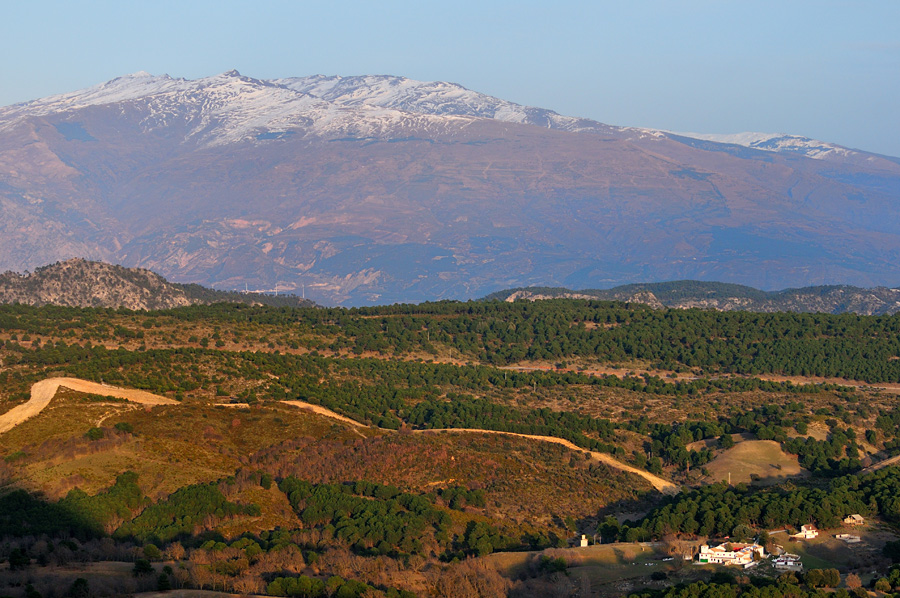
{"x": 807, "y": 532}
{"x": 731, "y": 554}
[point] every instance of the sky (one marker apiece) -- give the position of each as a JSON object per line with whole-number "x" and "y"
{"x": 825, "y": 69}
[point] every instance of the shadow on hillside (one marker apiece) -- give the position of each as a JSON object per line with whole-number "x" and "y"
{"x": 633, "y": 510}
{"x": 25, "y": 514}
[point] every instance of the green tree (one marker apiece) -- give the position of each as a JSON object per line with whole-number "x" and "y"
{"x": 79, "y": 589}
{"x": 142, "y": 567}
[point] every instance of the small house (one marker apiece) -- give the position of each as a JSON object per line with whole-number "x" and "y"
{"x": 807, "y": 532}
{"x": 855, "y": 519}
{"x": 579, "y": 541}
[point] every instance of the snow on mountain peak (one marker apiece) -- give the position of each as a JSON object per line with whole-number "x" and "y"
{"x": 430, "y": 97}
{"x": 230, "y": 107}
{"x": 124, "y": 88}
{"x": 778, "y": 142}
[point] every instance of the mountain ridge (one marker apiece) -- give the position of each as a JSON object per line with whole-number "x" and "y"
{"x": 437, "y": 98}
{"x": 687, "y": 294}
{"x": 361, "y": 195}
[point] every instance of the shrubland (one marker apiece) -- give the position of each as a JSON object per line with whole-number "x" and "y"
{"x": 234, "y": 489}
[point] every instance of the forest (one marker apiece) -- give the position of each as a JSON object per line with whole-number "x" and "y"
{"x": 282, "y": 502}
{"x": 500, "y": 333}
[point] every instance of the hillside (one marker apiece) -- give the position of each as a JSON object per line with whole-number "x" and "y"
{"x": 685, "y": 294}
{"x": 205, "y": 439}
{"x": 376, "y": 189}
{"x": 81, "y": 283}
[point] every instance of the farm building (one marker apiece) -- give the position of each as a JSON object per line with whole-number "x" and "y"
{"x": 855, "y": 519}
{"x": 807, "y": 532}
{"x": 788, "y": 562}
{"x": 731, "y": 554}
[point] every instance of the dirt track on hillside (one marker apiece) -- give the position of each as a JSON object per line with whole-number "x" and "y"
{"x": 881, "y": 464}
{"x": 326, "y": 412}
{"x": 664, "y": 486}
{"x": 42, "y": 392}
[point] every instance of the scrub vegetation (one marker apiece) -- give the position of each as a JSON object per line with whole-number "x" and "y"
{"x": 233, "y": 489}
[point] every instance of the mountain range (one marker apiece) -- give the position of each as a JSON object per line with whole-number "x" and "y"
{"x": 687, "y": 294}
{"x": 368, "y": 189}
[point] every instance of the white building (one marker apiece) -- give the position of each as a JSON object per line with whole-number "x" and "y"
{"x": 807, "y": 532}
{"x": 788, "y": 562}
{"x": 731, "y": 554}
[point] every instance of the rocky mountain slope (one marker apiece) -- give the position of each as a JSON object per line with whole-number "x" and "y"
{"x": 685, "y": 294}
{"x": 81, "y": 283}
{"x": 380, "y": 189}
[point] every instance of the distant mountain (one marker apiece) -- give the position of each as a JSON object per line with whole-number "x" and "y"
{"x": 81, "y": 283}
{"x": 377, "y": 189}
{"x": 685, "y": 294}
{"x": 791, "y": 144}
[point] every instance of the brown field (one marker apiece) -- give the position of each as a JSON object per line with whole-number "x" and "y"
{"x": 763, "y": 458}
{"x": 606, "y": 569}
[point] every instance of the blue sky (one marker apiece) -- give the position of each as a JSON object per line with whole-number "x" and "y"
{"x": 825, "y": 69}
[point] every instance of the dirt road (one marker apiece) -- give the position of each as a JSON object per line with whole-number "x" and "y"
{"x": 42, "y": 392}
{"x": 326, "y": 412}
{"x": 881, "y": 465}
{"x": 662, "y": 485}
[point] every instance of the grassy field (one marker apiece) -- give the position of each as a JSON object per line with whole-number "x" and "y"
{"x": 762, "y": 458}
{"x": 170, "y": 446}
{"x": 604, "y": 563}
{"x": 826, "y": 551}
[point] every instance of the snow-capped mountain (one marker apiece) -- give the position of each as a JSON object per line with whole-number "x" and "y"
{"x": 230, "y": 107}
{"x": 227, "y": 108}
{"x": 379, "y": 188}
{"x": 432, "y": 97}
{"x": 780, "y": 142}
